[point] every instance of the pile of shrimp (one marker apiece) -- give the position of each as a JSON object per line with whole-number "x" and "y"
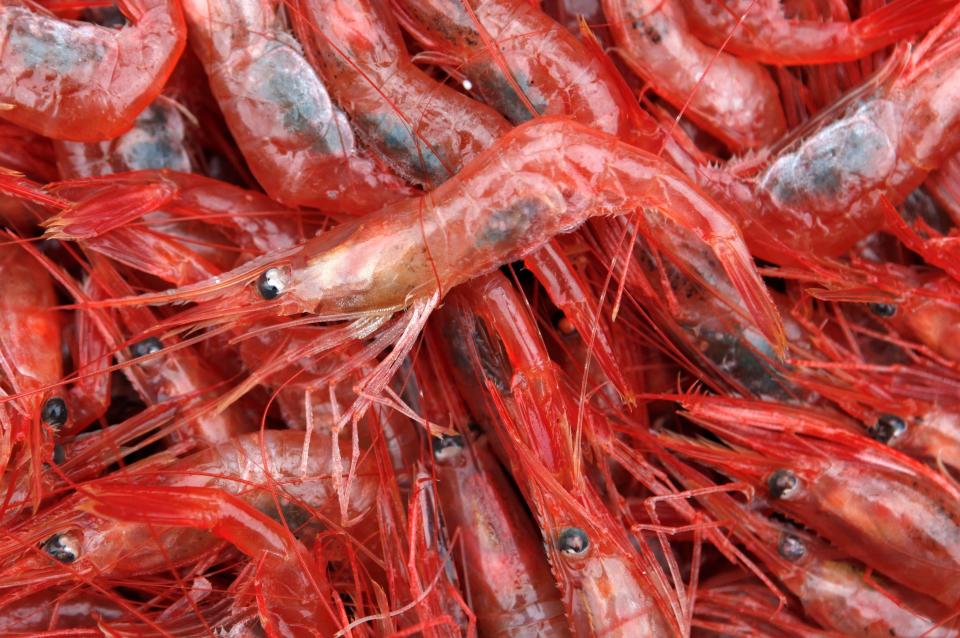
{"x": 573, "y": 318}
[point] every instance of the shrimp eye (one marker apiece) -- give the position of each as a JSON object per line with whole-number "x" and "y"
{"x": 563, "y": 325}
{"x": 270, "y": 283}
{"x": 783, "y": 484}
{"x": 64, "y": 548}
{"x": 145, "y": 347}
{"x": 887, "y": 428}
{"x": 54, "y": 412}
{"x": 791, "y": 547}
{"x": 573, "y": 541}
{"x": 447, "y": 447}
{"x": 59, "y": 455}
{"x": 883, "y": 309}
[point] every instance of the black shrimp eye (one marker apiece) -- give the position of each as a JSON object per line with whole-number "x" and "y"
{"x": 270, "y": 283}
{"x": 887, "y": 428}
{"x": 573, "y": 541}
{"x": 883, "y": 309}
{"x": 59, "y": 454}
{"x": 54, "y": 412}
{"x": 791, "y": 547}
{"x": 783, "y": 484}
{"x": 63, "y": 547}
{"x": 145, "y": 347}
{"x": 447, "y": 447}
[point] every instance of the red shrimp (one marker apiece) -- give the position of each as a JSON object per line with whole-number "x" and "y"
{"x": 298, "y": 144}
{"x": 426, "y": 130}
{"x": 542, "y": 178}
{"x": 944, "y": 187}
{"x": 30, "y": 359}
{"x": 827, "y": 191}
{"x": 294, "y": 597}
{"x": 80, "y": 81}
{"x": 51, "y": 609}
{"x": 270, "y": 477}
{"x": 520, "y": 61}
{"x": 734, "y": 100}
{"x": 759, "y": 30}
{"x": 879, "y": 505}
{"x": 836, "y": 593}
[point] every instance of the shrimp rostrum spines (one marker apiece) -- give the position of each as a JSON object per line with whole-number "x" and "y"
{"x": 81, "y": 81}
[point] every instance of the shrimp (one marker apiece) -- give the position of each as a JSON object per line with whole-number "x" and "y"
{"x": 298, "y": 144}
{"x": 80, "y": 81}
{"x": 836, "y": 593}
{"x": 426, "y": 130}
{"x": 879, "y": 505}
{"x": 520, "y": 61}
{"x": 827, "y": 191}
{"x": 293, "y": 593}
{"x": 57, "y": 609}
{"x": 734, "y": 100}
{"x": 542, "y": 178}
{"x": 759, "y": 31}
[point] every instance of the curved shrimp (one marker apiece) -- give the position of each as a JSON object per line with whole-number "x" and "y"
{"x": 520, "y": 61}
{"x": 879, "y": 505}
{"x": 830, "y": 189}
{"x": 734, "y": 100}
{"x": 298, "y": 144}
{"x": 80, "y": 81}
{"x": 293, "y": 594}
{"x": 423, "y": 128}
{"x": 835, "y": 592}
{"x": 759, "y": 31}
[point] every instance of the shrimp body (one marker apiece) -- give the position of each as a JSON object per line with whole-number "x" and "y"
{"x": 826, "y": 193}
{"x": 554, "y": 71}
{"x": 423, "y": 128}
{"x": 543, "y": 178}
{"x": 766, "y": 35}
{"x": 733, "y": 100}
{"x": 299, "y": 145}
{"x": 80, "y": 81}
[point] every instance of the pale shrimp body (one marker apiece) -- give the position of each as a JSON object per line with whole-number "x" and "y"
{"x": 299, "y": 145}
{"x": 555, "y": 72}
{"x": 80, "y": 81}
{"x": 543, "y": 178}
{"x": 759, "y": 30}
{"x": 734, "y": 100}
{"x": 425, "y": 129}
{"x": 826, "y": 192}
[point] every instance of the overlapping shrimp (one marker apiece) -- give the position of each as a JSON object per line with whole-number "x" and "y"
{"x": 298, "y": 144}
{"x": 80, "y": 81}
{"x": 879, "y": 505}
{"x": 760, "y": 31}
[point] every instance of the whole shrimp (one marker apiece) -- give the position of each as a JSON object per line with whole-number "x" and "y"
{"x": 879, "y": 505}
{"x": 298, "y": 144}
{"x": 80, "y": 81}
{"x": 423, "y": 128}
{"x": 734, "y": 100}
{"x": 761, "y": 32}
{"x": 826, "y": 191}
{"x": 293, "y": 593}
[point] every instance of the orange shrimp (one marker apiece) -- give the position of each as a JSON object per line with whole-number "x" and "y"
{"x": 827, "y": 191}
{"x": 298, "y": 144}
{"x": 426, "y": 130}
{"x": 734, "y": 100}
{"x": 80, "y": 81}
{"x": 879, "y": 505}
{"x": 294, "y": 597}
{"x": 836, "y": 593}
{"x": 759, "y": 31}
{"x": 542, "y": 178}
{"x": 520, "y": 61}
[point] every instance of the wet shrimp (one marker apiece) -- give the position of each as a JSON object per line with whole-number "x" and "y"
{"x": 83, "y": 82}
{"x": 299, "y": 145}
